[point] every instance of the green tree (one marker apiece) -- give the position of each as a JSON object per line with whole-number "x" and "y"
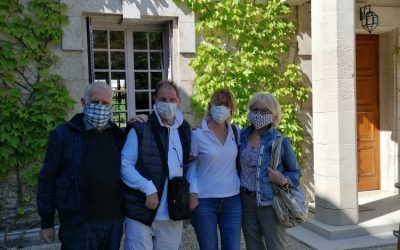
{"x": 244, "y": 44}
{"x": 32, "y": 99}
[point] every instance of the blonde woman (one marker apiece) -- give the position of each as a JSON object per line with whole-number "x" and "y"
{"x": 260, "y": 227}
{"x": 213, "y": 177}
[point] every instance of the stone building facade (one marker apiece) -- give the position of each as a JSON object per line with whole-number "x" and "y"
{"x": 354, "y": 119}
{"x": 351, "y": 123}
{"x": 355, "y": 108}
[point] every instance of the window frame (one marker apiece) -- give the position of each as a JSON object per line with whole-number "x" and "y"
{"x": 164, "y": 27}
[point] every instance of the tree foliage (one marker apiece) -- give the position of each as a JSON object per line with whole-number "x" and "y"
{"x": 243, "y": 47}
{"x": 32, "y": 99}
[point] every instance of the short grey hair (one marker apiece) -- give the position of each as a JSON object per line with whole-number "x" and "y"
{"x": 94, "y": 85}
{"x": 267, "y": 100}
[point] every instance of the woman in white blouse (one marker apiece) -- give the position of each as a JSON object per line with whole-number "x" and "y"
{"x": 213, "y": 177}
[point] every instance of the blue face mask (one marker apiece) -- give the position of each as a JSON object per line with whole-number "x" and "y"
{"x": 166, "y": 110}
{"x": 220, "y": 113}
{"x": 97, "y": 115}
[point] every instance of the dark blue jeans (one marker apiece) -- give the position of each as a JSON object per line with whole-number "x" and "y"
{"x": 226, "y": 213}
{"x": 91, "y": 236}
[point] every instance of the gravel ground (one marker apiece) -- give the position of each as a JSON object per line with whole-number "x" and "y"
{"x": 189, "y": 242}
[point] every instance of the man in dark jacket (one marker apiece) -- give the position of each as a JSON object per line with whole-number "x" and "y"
{"x": 80, "y": 177}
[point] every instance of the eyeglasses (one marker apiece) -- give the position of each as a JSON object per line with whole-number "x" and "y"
{"x": 260, "y": 111}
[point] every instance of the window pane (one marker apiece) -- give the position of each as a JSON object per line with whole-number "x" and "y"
{"x": 100, "y": 39}
{"x": 100, "y": 60}
{"x": 139, "y": 40}
{"x": 155, "y": 40}
{"x": 117, "y": 40}
{"x": 117, "y": 60}
{"x": 101, "y": 76}
{"x": 118, "y": 86}
{"x": 118, "y": 80}
{"x": 156, "y": 77}
{"x": 119, "y": 100}
{"x": 140, "y": 60}
{"x": 142, "y": 100}
{"x": 141, "y": 80}
{"x": 119, "y": 118}
{"x": 156, "y": 60}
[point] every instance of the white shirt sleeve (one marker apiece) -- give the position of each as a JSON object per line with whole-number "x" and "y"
{"x": 192, "y": 171}
{"x": 129, "y": 175}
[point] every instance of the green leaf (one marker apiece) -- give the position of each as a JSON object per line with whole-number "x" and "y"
{"x": 243, "y": 48}
{"x": 32, "y": 100}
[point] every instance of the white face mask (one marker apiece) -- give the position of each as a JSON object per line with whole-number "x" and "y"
{"x": 220, "y": 113}
{"x": 166, "y": 110}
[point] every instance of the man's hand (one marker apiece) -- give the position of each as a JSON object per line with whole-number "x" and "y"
{"x": 193, "y": 202}
{"x": 276, "y": 177}
{"x": 152, "y": 201}
{"x": 139, "y": 118}
{"x": 47, "y": 235}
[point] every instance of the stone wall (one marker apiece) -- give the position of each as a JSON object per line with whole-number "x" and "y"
{"x": 9, "y": 220}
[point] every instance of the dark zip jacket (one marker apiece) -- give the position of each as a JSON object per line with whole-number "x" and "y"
{"x": 61, "y": 184}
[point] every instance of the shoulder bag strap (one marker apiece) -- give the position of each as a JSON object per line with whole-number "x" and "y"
{"x": 276, "y": 152}
{"x": 276, "y": 157}
{"x": 235, "y": 132}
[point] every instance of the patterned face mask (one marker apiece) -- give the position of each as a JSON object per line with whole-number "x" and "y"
{"x": 97, "y": 115}
{"x": 220, "y": 113}
{"x": 166, "y": 110}
{"x": 260, "y": 120}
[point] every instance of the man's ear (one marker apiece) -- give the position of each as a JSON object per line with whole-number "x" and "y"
{"x": 83, "y": 101}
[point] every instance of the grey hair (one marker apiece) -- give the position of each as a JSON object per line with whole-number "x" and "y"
{"x": 94, "y": 85}
{"x": 267, "y": 100}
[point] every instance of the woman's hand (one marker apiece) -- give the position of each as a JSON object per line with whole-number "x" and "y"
{"x": 193, "y": 202}
{"x": 276, "y": 177}
{"x": 138, "y": 118}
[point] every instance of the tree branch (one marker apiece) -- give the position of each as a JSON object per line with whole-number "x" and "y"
{"x": 30, "y": 90}
{"x": 25, "y": 78}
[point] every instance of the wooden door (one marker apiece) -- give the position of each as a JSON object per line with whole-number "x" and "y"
{"x": 367, "y": 89}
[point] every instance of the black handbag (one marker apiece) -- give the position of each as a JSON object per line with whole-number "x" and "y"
{"x": 178, "y": 199}
{"x": 178, "y": 188}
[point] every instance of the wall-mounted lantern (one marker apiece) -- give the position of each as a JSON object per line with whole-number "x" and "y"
{"x": 369, "y": 20}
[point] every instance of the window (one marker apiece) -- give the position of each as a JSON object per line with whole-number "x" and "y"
{"x": 133, "y": 62}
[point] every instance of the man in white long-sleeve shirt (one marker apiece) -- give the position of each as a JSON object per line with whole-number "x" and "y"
{"x": 147, "y": 222}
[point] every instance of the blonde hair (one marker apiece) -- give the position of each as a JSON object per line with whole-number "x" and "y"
{"x": 267, "y": 100}
{"x": 221, "y": 93}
